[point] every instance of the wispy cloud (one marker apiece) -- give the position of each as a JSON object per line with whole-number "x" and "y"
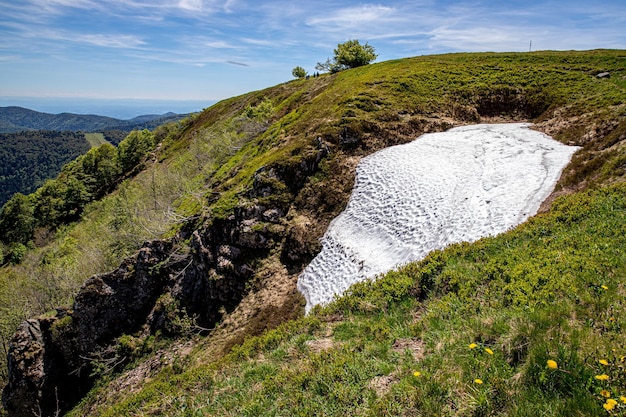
{"x": 352, "y": 17}
{"x": 218, "y": 44}
{"x": 176, "y": 37}
{"x": 96, "y": 39}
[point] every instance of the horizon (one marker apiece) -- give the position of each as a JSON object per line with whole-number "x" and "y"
{"x": 201, "y": 50}
{"x": 118, "y": 108}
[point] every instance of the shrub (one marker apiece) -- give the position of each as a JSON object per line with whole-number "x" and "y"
{"x": 298, "y": 72}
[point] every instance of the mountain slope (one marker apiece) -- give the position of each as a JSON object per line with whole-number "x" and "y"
{"x": 16, "y": 119}
{"x": 265, "y": 198}
{"x": 468, "y": 331}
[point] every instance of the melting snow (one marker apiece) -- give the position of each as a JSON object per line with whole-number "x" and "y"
{"x": 443, "y": 188}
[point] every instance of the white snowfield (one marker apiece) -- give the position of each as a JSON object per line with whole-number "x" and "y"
{"x": 442, "y": 188}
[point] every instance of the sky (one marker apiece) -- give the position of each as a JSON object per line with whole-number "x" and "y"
{"x": 214, "y": 49}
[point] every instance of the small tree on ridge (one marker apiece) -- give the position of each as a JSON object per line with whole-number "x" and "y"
{"x": 350, "y": 54}
{"x": 298, "y": 72}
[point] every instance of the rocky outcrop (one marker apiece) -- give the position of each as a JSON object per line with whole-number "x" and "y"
{"x": 51, "y": 359}
{"x": 26, "y": 361}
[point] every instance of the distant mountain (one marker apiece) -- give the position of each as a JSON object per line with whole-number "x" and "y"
{"x": 17, "y": 119}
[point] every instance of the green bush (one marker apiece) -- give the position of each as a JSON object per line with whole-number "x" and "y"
{"x": 16, "y": 253}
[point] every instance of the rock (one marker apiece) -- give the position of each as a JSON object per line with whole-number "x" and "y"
{"x": 604, "y": 75}
{"x": 24, "y": 390}
{"x": 300, "y": 245}
{"x": 119, "y": 302}
{"x": 348, "y": 138}
{"x": 272, "y": 215}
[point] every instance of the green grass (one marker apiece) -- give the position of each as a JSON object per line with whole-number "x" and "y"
{"x": 552, "y": 289}
{"x": 95, "y": 139}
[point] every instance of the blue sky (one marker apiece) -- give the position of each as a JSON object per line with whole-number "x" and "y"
{"x": 214, "y": 49}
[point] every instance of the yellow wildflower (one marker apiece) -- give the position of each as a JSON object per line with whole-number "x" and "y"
{"x": 489, "y": 351}
{"x": 609, "y": 404}
{"x": 623, "y": 399}
{"x": 552, "y": 364}
{"x": 605, "y": 393}
{"x": 603, "y": 362}
{"x": 604, "y": 287}
{"x": 473, "y": 346}
{"x": 603, "y": 377}
{"x": 417, "y": 373}
{"x": 478, "y": 381}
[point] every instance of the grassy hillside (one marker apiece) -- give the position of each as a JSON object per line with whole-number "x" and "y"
{"x": 468, "y": 331}
{"x": 551, "y": 289}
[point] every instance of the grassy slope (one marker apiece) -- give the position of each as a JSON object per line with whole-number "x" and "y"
{"x": 551, "y": 289}
{"x": 95, "y": 139}
{"x": 381, "y": 105}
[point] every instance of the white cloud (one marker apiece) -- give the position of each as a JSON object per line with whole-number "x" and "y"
{"x": 191, "y": 5}
{"x": 218, "y": 44}
{"x": 96, "y": 39}
{"x": 351, "y": 17}
{"x": 473, "y": 39}
{"x": 111, "y": 41}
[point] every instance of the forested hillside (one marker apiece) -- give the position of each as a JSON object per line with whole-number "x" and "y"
{"x": 34, "y": 145}
{"x": 204, "y": 235}
{"x": 16, "y": 119}
{"x": 30, "y": 158}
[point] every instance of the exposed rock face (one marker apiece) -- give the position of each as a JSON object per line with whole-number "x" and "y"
{"x": 51, "y": 359}
{"x": 26, "y": 361}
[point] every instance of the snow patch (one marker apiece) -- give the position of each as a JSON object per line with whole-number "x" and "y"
{"x": 443, "y": 188}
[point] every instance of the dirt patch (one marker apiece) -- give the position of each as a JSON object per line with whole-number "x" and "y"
{"x": 414, "y": 345}
{"x": 382, "y": 384}
{"x": 321, "y": 345}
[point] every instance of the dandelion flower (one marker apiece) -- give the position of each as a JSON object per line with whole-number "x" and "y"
{"x": 603, "y": 377}
{"x": 552, "y": 364}
{"x": 603, "y": 362}
{"x": 489, "y": 351}
{"x": 417, "y": 373}
{"x": 609, "y": 404}
{"x": 473, "y": 346}
{"x": 623, "y": 399}
{"x": 604, "y": 287}
{"x": 478, "y": 381}
{"x": 605, "y": 393}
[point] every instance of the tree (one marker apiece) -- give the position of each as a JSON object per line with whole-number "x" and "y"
{"x": 350, "y": 54}
{"x": 134, "y": 148}
{"x": 98, "y": 169}
{"x": 298, "y": 72}
{"x": 16, "y": 220}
